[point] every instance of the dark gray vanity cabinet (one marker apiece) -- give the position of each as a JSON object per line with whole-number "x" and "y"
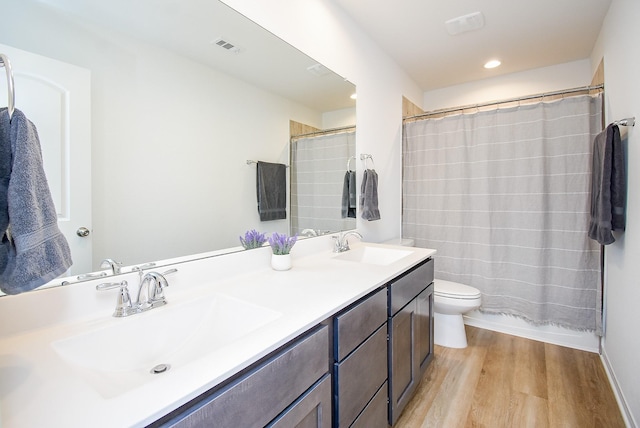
{"x": 410, "y": 334}
{"x": 360, "y": 363}
{"x": 290, "y": 388}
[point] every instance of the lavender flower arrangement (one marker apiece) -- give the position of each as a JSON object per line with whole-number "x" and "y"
{"x": 252, "y": 239}
{"x": 281, "y": 243}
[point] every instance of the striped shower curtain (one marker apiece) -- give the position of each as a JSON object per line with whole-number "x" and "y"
{"x": 503, "y": 196}
{"x": 318, "y": 166}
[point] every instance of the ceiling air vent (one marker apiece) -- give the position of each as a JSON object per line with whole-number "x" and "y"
{"x": 318, "y": 70}
{"x": 224, "y": 43}
{"x": 461, "y": 24}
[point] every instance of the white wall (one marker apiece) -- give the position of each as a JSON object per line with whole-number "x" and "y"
{"x": 618, "y": 45}
{"x": 323, "y": 31}
{"x": 537, "y": 81}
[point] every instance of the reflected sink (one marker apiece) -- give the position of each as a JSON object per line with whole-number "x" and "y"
{"x": 118, "y": 357}
{"x": 374, "y": 255}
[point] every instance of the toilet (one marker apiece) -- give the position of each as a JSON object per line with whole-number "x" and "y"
{"x": 451, "y": 300}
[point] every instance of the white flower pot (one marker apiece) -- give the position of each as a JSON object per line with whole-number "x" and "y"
{"x": 281, "y": 261}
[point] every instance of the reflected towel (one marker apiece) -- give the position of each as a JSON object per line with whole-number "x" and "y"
{"x": 608, "y": 186}
{"x": 271, "y": 182}
{"x": 349, "y": 195}
{"x": 33, "y": 251}
{"x": 369, "y": 196}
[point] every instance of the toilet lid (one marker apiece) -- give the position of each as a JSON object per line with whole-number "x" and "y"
{"x": 454, "y": 290}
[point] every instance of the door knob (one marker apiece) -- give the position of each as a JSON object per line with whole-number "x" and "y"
{"x": 82, "y": 232}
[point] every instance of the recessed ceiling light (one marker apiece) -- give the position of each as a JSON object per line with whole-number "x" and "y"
{"x": 492, "y": 64}
{"x": 354, "y": 96}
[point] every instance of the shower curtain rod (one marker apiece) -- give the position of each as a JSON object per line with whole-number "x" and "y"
{"x": 510, "y": 100}
{"x": 324, "y": 132}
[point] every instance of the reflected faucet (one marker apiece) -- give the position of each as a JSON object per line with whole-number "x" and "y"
{"x": 309, "y": 233}
{"x": 341, "y": 243}
{"x": 114, "y": 265}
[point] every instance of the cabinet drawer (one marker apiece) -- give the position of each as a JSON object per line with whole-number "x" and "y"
{"x": 358, "y": 323}
{"x": 255, "y": 399}
{"x": 312, "y": 410}
{"x": 375, "y": 414}
{"x": 404, "y": 289}
{"x": 360, "y": 376}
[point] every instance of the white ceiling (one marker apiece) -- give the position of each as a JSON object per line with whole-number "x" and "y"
{"x": 188, "y": 28}
{"x": 523, "y": 34}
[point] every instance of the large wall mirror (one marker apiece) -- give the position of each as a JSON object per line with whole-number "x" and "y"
{"x": 173, "y": 98}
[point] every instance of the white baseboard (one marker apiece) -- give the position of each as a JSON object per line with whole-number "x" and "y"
{"x": 622, "y": 402}
{"x": 583, "y": 340}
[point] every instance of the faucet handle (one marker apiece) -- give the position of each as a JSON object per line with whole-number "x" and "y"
{"x": 86, "y": 276}
{"x": 142, "y": 267}
{"x": 336, "y": 243}
{"x": 123, "y": 304}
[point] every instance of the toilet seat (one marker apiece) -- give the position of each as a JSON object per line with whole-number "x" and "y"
{"x": 455, "y": 290}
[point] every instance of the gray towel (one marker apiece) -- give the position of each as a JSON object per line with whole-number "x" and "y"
{"x": 271, "y": 184}
{"x": 33, "y": 251}
{"x": 608, "y": 186}
{"x": 349, "y": 195}
{"x": 369, "y": 196}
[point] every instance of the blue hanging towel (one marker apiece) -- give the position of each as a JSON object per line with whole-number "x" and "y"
{"x": 33, "y": 251}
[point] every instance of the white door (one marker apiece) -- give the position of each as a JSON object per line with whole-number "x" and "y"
{"x": 56, "y": 97}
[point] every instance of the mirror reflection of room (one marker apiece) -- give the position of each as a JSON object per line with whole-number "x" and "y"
{"x": 146, "y": 131}
{"x": 323, "y": 187}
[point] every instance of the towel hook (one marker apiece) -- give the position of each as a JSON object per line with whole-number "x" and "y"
{"x": 364, "y": 157}
{"x": 4, "y": 62}
{"x": 349, "y": 163}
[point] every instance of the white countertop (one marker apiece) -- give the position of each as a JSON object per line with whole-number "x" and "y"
{"x": 39, "y": 389}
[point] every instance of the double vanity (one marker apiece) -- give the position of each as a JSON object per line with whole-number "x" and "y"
{"x": 338, "y": 340}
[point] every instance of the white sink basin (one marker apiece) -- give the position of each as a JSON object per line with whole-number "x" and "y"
{"x": 374, "y": 255}
{"x": 119, "y": 356}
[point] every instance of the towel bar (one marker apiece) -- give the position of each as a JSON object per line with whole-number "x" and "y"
{"x": 249, "y": 162}
{"x": 627, "y": 121}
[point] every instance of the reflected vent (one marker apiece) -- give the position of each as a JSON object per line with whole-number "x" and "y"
{"x": 225, "y": 44}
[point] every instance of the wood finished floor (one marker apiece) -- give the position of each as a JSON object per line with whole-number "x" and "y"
{"x": 507, "y": 381}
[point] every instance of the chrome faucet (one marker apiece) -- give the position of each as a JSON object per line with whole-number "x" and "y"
{"x": 150, "y": 293}
{"x": 341, "y": 243}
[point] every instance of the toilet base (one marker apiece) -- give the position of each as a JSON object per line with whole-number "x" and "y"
{"x": 449, "y": 331}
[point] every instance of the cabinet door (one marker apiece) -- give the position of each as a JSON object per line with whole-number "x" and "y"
{"x": 404, "y": 360}
{"x": 424, "y": 334}
{"x": 312, "y": 410}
